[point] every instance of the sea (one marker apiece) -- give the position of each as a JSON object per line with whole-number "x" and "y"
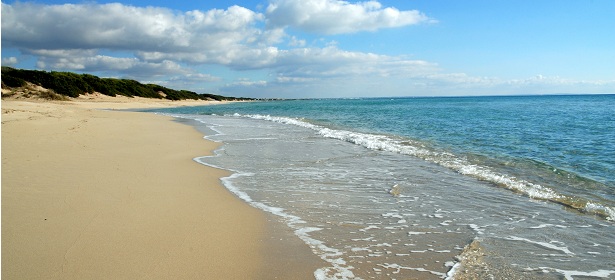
{"x": 490, "y": 187}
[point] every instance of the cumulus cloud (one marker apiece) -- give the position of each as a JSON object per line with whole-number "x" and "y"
{"x": 152, "y": 34}
{"x": 163, "y": 45}
{"x": 75, "y": 36}
{"x": 337, "y": 17}
{"x": 120, "y": 27}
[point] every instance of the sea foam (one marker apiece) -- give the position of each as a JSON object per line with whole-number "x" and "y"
{"x": 448, "y": 160}
{"x": 338, "y": 269}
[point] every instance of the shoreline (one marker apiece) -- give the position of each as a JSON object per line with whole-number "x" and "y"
{"x": 286, "y": 255}
{"x": 80, "y": 200}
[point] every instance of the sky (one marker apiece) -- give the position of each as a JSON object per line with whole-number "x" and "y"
{"x": 323, "y": 48}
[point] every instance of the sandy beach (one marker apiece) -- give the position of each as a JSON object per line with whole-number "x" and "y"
{"x": 101, "y": 194}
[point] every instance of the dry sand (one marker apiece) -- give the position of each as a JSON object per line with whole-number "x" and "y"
{"x": 92, "y": 194}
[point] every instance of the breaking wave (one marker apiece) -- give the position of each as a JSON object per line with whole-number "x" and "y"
{"x": 451, "y": 161}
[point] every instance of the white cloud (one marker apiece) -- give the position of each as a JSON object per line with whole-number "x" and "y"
{"x": 196, "y": 77}
{"x": 79, "y": 36}
{"x": 418, "y": 82}
{"x": 158, "y": 44}
{"x": 337, "y": 17}
{"x": 245, "y": 83}
{"x": 331, "y": 62}
{"x": 294, "y": 42}
{"x": 193, "y": 81}
{"x": 211, "y": 34}
{"x": 9, "y": 61}
{"x": 69, "y": 26}
{"x": 131, "y": 67}
{"x": 283, "y": 79}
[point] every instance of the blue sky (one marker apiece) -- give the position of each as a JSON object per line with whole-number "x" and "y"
{"x": 323, "y": 48}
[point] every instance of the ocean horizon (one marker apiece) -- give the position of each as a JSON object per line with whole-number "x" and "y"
{"x": 397, "y": 187}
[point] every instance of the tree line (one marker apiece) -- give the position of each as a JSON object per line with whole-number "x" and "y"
{"x": 72, "y": 85}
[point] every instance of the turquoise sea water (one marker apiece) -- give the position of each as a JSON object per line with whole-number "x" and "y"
{"x": 377, "y": 186}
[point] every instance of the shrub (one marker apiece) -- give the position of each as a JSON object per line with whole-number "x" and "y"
{"x": 71, "y": 84}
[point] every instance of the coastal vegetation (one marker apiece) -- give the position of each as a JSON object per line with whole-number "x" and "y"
{"x": 67, "y": 84}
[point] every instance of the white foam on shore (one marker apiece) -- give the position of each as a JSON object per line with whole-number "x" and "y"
{"x": 420, "y": 269}
{"x": 548, "y": 225}
{"x": 546, "y": 245}
{"x": 391, "y": 216}
{"x": 338, "y": 269}
{"x": 568, "y": 274}
{"x": 450, "y": 275}
{"x": 596, "y": 208}
{"x": 445, "y": 159}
